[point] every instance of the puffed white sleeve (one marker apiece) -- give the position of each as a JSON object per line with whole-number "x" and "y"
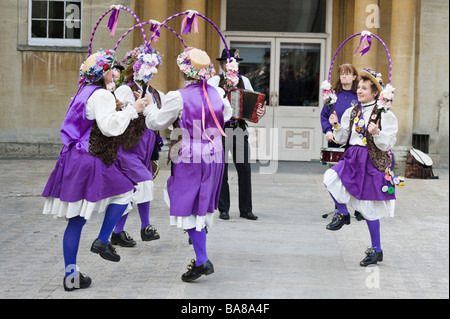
{"x": 171, "y": 107}
{"x": 341, "y": 134}
{"x": 387, "y": 137}
{"x": 101, "y": 107}
{"x": 227, "y": 111}
{"x": 214, "y": 81}
{"x": 125, "y": 95}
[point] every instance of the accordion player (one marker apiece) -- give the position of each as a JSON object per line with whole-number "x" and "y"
{"x": 245, "y": 103}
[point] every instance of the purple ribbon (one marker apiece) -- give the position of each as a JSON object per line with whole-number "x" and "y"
{"x": 112, "y": 22}
{"x": 155, "y": 29}
{"x": 189, "y": 21}
{"x": 366, "y": 42}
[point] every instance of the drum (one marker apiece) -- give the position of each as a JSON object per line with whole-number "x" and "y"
{"x": 331, "y": 155}
{"x": 245, "y": 103}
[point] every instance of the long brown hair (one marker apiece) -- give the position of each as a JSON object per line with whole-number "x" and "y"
{"x": 347, "y": 67}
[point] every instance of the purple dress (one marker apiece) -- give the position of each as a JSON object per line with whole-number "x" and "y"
{"x": 194, "y": 185}
{"x": 79, "y": 177}
{"x": 136, "y": 164}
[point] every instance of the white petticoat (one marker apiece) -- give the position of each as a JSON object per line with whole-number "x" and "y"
{"x": 370, "y": 209}
{"x": 91, "y": 211}
{"x": 191, "y": 221}
{"x": 144, "y": 192}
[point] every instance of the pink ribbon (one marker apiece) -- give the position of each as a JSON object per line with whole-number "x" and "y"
{"x": 112, "y": 22}
{"x": 365, "y": 42}
{"x": 187, "y": 23}
{"x": 212, "y": 113}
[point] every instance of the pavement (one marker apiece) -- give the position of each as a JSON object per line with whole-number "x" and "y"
{"x": 286, "y": 254}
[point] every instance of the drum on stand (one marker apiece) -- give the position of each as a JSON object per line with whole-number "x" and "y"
{"x": 331, "y": 155}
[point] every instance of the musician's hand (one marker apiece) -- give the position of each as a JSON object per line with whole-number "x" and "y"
{"x": 329, "y": 136}
{"x": 333, "y": 119}
{"x": 261, "y": 110}
{"x": 119, "y": 105}
{"x": 373, "y": 128}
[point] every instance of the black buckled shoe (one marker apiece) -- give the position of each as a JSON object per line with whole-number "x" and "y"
{"x": 195, "y": 272}
{"x": 149, "y": 233}
{"x": 106, "y": 251}
{"x": 338, "y": 221}
{"x": 249, "y": 215}
{"x": 80, "y": 282}
{"x": 122, "y": 239}
{"x": 372, "y": 257}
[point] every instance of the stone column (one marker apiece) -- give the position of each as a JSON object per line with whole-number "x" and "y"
{"x": 364, "y": 17}
{"x": 157, "y": 10}
{"x": 402, "y": 55}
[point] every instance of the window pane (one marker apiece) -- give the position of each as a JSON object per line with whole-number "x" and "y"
{"x": 276, "y": 16}
{"x": 255, "y": 64}
{"x": 299, "y": 74}
{"x": 56, "y": 29}
{"x": 39, "y": 10}
{"x": 56, "y": 10}
{"x": 39, "y": 29}
{"x": 72, "y": 32}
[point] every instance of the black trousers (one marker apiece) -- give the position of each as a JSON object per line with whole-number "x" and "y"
{"x": 237, "y": 142}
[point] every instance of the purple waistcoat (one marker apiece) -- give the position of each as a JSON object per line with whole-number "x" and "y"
{"x": 194, "y": 186}
{"x": 78, "y": 175}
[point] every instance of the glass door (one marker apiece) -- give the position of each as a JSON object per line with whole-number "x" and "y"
{"x": 289, "y": 71}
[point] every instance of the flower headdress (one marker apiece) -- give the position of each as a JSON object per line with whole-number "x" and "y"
{"x": 386, "y": 97}
{"x": 196, "y": 64}
{"x": 146, "y": 66}
{"x": 96, "y": 65}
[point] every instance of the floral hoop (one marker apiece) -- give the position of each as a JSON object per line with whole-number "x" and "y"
{"x": 231, "y": 72}
{"x": 387, "y": 94}
{"x": 112, "y": 23}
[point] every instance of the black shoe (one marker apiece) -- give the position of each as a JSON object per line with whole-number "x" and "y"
{"x": 338, "y": 221}
{"x": 149, "y": 233}
{"x": 249, "y": 215}
{"x": 359, "y": 216}
{"x": 122, "y": 239}
{"x": 80, "y": 282}
{"x": 106, "y": 251}
{"x": 195, "y": 272}
{"x": 224, "y": 215}
{"x": 372, "y": 257}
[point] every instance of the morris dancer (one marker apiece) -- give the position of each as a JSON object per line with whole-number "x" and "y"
{"x": 194, "y": 185}
{"x": 361, "y": 178}
{"x": 85, "y": 181}
{"x": 137, "y": 144}
{"x": 345, "y": 89}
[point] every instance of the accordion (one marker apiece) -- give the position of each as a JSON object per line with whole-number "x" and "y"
{"x": 245, "y": 103}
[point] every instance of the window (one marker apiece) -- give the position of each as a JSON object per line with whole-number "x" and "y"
{"x": 54, "y": 22}
{"x": 276, "y": 16}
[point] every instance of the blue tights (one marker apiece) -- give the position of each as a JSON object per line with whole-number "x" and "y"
{"x": 72, "y": 234}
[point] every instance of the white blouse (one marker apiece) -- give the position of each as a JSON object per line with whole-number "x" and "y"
{"x": 385, "y": 140}
{"x": 101, "y": 107}
{"x": 172, "y": 107}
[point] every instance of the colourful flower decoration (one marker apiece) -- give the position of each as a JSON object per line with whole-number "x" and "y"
{"x": 184, "y": 63}
{"x": 231, "y": 73}
{"x": 145, "y": 67}
{"x": 103, "y": 62}
{"x": 328, "y": 95}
